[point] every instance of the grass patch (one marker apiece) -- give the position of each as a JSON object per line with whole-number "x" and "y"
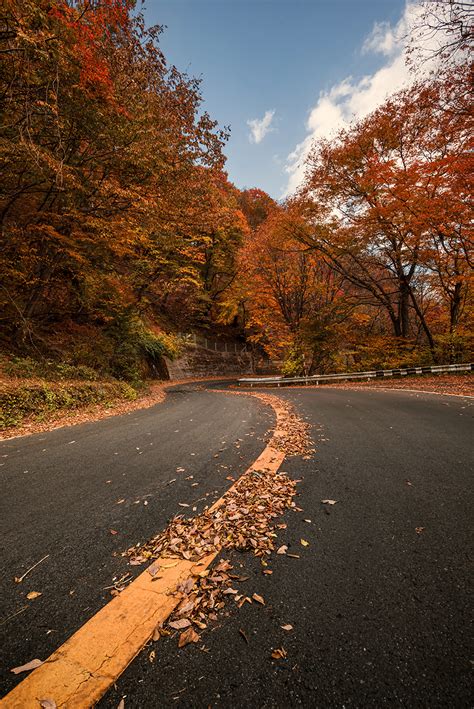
{"x": 20, "y": 399}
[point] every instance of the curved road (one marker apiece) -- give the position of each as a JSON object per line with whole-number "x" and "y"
{"x": 378, "y": 600}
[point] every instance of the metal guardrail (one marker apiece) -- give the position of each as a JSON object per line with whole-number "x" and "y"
{"x": 375, "y": 374}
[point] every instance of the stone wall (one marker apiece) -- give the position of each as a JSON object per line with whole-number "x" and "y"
{"x": 199, "y": 361}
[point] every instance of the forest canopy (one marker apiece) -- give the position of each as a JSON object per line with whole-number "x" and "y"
{"x": 120, "y": 227}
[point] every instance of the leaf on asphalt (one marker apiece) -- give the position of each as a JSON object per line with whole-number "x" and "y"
{"x": 329, "y": 502}
{"x": 189, "y": 636}
{"x": 244, "y": 635}
{"x": 279, "y": 654}
{"x": 48, "y": 703}
{"x": 287, "y": 627}
{"x": 283, "y": 549}
{"x": 156, "y": 634}
{"x": 32, "y": 665}
{"x": 151, "y": 656}
{"x": 307, "y": 520}
{"x": 419, "y": 530}
{"x": 304, "y": 543}
{"x": 170, "y": 566}
{"x": 179, "y": 624}
{"x": 258, "y": 598}
{"x": 121, "y": 704}
{"x": 183, "y": 504}
{"x": 33, "y": 594}
{"x": 407, "y": 482}
{"x": 267, "y": 572}
{"x": 113, "y": 531}
{"x": 119, "y": 502}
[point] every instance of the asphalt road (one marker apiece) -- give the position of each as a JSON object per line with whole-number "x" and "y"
{"x": 84, "y": 494}
{"x": 379, "y": 610}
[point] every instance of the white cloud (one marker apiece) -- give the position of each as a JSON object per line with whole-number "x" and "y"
{"x": 352, "y": 99}
{"x": 383, "y": 39}
{"x": 260, "y": 127}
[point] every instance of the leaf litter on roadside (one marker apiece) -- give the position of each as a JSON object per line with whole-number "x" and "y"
{"x": 243, "y": 520}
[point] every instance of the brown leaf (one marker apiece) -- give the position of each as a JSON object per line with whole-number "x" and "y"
{"x": 283, "y": 549}
{"x": 33, "y": 594}
{"x": 48, "y": 703}
{"x": 244, "y": 635}
{"x": 113, "y": 531}
{"x": 154, "y": 568}
{"x": 329, "y": 502}
{"x": 179, "y": 624}
{"x": 121, "y": 704}
{"x": 279, "y": 654}
{"x": 33, "y": 664}
{"x": 189, "y": 636}
{"x": 287, "y": 627}
{"x": 419, "y": 530}
{"x": 258, "y": 598}
{"x": 156, "y": 634}
{"x": 304, "y": 543}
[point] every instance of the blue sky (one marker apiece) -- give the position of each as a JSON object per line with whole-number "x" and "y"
{"x": 314, "y": 63}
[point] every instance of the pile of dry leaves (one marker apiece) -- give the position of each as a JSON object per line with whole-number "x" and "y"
{"x": 292, "y": 434}
{"x": 245, "y": 521}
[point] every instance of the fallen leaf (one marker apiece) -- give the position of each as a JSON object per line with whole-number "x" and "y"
{"x": 407, "y": 482}
{"x": 189, "y": 636}
{"x": 33, "y": 594}
{"x": 183, "y": 504}
{"x": 151, "y": 656}
{"x": 154, "y": 568}
{"x": 283, "y": 549}
{"x": 156, "y": 634}
{"x": 33, "y": 664}
{"x": 329, "y": 502}
{"x": 307, "y": 520}
{"x": 170, "y": 566}
{"x": 120, "y": 502}
{"x": 287, "y": 627}
{"x": 267, "y": 572}
{"x": 48, "y": 703}
{"x": 113, "y": 531}
{"x": 304, "y": 543}
{"x": 244, "y": 635}
{"x": 279, "y": 654}
{"x": 419, "y": 530}
{"x": 179, "y": 624}
{"x": 121, "y": 704}
{"x": 258, "y": 598}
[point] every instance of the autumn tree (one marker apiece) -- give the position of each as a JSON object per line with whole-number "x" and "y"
{"x": 444, "y": 29}
{"x": 103, "y": 147}
{"x": 294, "y": 302}
{"x": 394, "y": 190}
